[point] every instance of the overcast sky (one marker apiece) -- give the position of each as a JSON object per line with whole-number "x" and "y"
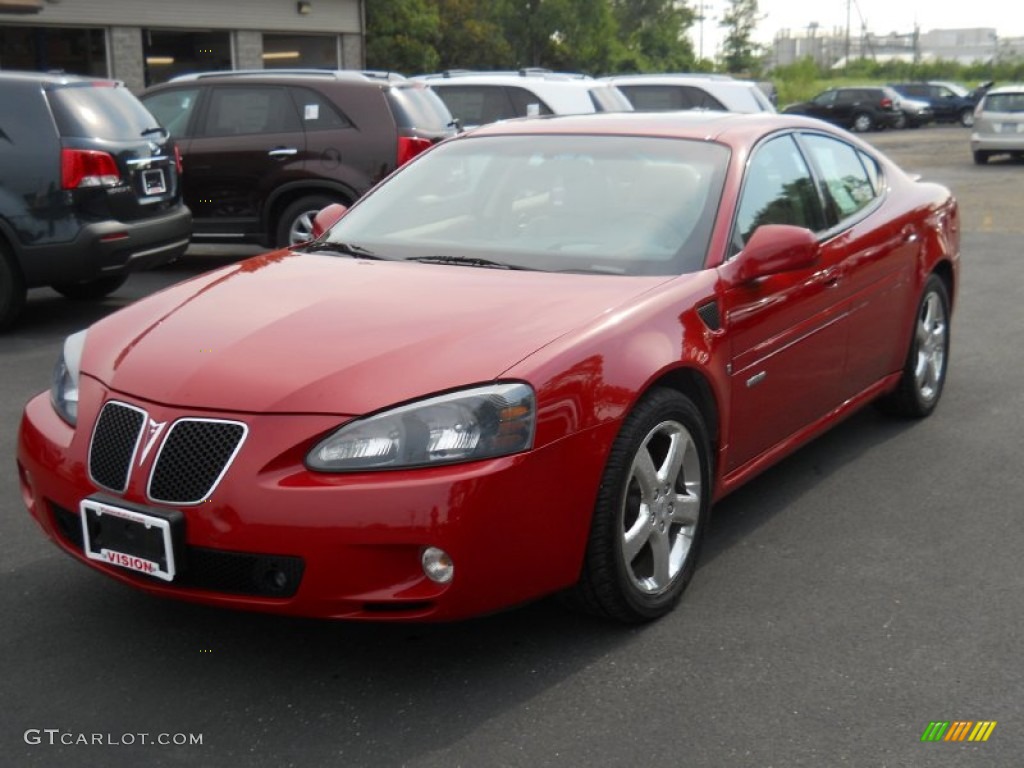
{"x": 880, "y": 16}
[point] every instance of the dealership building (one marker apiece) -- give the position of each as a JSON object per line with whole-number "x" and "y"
{"x": 144, "y": 42}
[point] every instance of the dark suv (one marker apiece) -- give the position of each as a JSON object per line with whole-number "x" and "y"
{"x": 949, "y": 102}
{"x": 265, "y": 150}
{"x": 88, "y": 188}
{"x": 861, "y": 108}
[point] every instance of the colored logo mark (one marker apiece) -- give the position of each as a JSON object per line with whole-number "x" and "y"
{"x": 958, "y": 730}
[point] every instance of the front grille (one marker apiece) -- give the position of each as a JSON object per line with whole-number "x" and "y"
{"x": 114, "y": 441}
{"x": 192, "y": 460}
{"x": 214, "y": 570}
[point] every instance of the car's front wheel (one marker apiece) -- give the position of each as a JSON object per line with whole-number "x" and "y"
{"x": 651, "y": 510}
{"x": 901, "y": 121}
{"x": 862, "y": 122}
{"x": 924, "y": 372}
{"x": 967, "y": 118}
{"x": 296, "y": 222}
{"x": 91, "y": 290}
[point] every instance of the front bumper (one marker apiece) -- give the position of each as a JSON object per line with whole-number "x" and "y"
{"x": 515, "y": 527}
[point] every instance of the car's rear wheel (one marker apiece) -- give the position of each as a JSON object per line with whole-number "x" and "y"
{"x": 967, "y": 118}
{"x": 296, "y": 222}
{"x": 651, "y": 510}
{"x": 91, "y": 290}
{"x": 924, "y": 372}
{"x": 12, "y": 289}
{"x": 980, "y": 158}
{"x": 862, "y": 122}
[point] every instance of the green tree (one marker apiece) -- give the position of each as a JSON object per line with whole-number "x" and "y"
{"x": 653, "y": 33}
{"x": 401, "y": 35}
{"x": 740, "y": 54}
{"x": 472, "y": 36}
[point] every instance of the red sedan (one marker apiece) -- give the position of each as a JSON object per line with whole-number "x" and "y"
{"x": 526, "y": 363}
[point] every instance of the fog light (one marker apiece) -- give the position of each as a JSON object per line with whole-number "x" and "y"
{"x": 437, "y": 565}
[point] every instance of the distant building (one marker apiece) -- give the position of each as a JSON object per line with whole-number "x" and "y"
{"x": 830, "y": 48}
{"x": 143, "y": 43}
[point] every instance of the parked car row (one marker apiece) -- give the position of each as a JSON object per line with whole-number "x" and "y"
{"x": 899, "y": 105}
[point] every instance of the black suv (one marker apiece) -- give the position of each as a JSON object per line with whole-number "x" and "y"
{"x": 948, "y": 105}
{"x": 264, "y": 150}
{"x": 88, "y": 188}
{"x": 861, "y": 108}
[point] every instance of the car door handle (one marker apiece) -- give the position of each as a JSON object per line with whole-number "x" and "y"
{"x": 283, "y": 152}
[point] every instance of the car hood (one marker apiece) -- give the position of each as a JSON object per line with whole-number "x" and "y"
{"x": 299, "y": 333}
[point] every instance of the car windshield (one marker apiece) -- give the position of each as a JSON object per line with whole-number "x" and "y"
{"x": 624, "y": 205}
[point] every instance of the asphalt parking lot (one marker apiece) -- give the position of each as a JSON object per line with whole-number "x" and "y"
{"x": 865, "y": 587}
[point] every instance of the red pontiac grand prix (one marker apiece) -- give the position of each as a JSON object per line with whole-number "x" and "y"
{"x": 526, "y": 363}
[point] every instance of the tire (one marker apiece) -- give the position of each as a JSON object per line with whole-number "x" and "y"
{"x": 901, "y": 122}
{"x": 644, "y": 541}
{"x": 980, "y": 158}
{"x": 296, "y": 222}
{"x": 862, "y": 123}
{"x": 924, "y": 372}
{"x": 91, "y": 290}
{"x": 12, "y": 289}
{"x": 967, "y": 118}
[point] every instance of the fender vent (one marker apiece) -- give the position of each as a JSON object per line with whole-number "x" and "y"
{"x": 709, "y": 315}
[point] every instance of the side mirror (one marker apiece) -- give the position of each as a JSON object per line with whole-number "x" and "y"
{"x": 775, "y": 248}
{"x": 327, "y": 218}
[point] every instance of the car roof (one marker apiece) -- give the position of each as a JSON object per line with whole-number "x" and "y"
{"x": 733, "y": 128}
{"x": 53, "y": 78}
{"x": 1010, "y": 88}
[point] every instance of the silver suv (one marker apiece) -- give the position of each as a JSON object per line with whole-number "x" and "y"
{"x": 656, "y": 93}
{"x": 476, "y": 98}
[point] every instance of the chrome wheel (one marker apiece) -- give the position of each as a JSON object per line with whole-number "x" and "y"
{"x": 862, "y": 123}
{"x": 301, "y": 229}
{"x": 932, "y": 331}
{"x": 661, "y": 507}
{"x": 649, "y": 518}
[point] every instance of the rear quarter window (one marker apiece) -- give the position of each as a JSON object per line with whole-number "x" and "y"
{"x": 99, "y": 111}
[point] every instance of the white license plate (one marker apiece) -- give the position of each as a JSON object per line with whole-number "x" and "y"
{"x": 153, "y": 181}
{"x": 127, "y": 538}
{"x": 1010, "y": 127}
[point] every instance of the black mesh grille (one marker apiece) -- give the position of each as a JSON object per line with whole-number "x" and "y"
{"x": 113, "y": 445}
{"x": 216, "y": 570}
{"x": 192, "y": 459}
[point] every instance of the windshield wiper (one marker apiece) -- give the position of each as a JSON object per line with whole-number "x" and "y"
{"x": 466, "y": 261}
{"x": 158, "y": 129}
{"x": 345, "y": 249}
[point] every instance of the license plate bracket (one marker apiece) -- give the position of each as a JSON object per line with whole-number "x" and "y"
{"x": 153, "y": 181}
{"x": 141, "y": 539}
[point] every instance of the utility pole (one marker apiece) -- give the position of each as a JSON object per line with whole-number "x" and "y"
{"x": 846, "y": 54}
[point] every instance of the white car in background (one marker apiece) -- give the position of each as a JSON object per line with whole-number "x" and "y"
{"x": 999, "y": 124}
{"x": 476, "y": 98}
{"x": 658, "y": 93}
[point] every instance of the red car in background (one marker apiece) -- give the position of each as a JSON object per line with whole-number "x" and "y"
{"x": 526, "y": 363}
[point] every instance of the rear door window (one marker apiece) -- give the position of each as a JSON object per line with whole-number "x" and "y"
{"x": 318, "y": 114}
{"x": 522, "y": 100}
{"x": 847, "y": 183}
{"x": 104, "y": 111}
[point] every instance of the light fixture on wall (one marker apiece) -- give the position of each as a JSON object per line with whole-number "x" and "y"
{"x": 303, "y": 8}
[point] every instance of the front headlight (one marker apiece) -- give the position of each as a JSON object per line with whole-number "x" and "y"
{"x": 477, "y": 423}
{"x": 64, "y": 387}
